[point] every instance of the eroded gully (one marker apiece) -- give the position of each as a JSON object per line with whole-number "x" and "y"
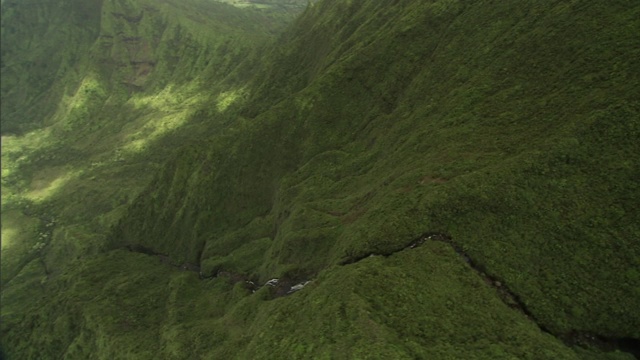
{"x": 282, "y": 287}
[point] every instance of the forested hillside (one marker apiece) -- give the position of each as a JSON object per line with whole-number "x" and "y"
{"x": 95, "y": 96}
{"x": 396, "y": 180}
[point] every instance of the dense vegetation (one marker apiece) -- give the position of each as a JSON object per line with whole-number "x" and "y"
{"x": 510, "y": 127}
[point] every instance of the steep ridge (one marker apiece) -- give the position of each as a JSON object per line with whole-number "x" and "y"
{"x": 509, "y": 126}
{"x": 504, "y": 137}
{"x": 95, "y": 96}
{"x": 116, "y": 100}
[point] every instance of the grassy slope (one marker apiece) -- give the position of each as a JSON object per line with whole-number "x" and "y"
{"x": 138, "y": 82}
{"x": 117, "y": 96}
{"x": 518, "y": 140}
{"x": 508, "y": 126}
{"x": 32, "y": 63}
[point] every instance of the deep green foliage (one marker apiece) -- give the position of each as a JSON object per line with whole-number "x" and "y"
{"x": 32, "y": 64}
{"x": 510, "y": 126}
{"x": 127, "y": 103}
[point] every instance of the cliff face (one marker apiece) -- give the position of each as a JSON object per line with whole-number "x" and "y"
{"x": 438, "y": 179}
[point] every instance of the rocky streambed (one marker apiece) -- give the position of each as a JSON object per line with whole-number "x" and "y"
{"x": 280, "y": 286}
{"x": 284, "y": 286}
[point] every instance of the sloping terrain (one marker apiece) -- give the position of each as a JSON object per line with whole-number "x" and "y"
{"x": 441, "y": 179}
{"x": 95, "y": 96}
{"x": 145, "y": 75}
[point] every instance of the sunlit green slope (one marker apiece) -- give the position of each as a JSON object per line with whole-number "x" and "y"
{"x": 112, "y": 105}
{"x": 95, "y": 95}
{"x": 511, "y": 127}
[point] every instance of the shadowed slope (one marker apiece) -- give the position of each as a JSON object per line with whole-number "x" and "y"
{"x": 496, "y": 123}
{"x": 84, "y": 134}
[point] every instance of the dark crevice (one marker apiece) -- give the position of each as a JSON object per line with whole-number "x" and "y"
{"x": 203, "y": 245}
{"x": 278, "y": 286}
{"x": 143, "y": 250}
{"x": 285, "y": 286}
{"x": 511, "y": 299}
{"x": 351, "y": 259}
{"x": 165, "y": 259}
{"x": 603, "y": 343}
{"x": 628, "y": 345}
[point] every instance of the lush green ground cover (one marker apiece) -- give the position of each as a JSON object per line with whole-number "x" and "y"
{"x": 510, "y": 126}
{"x": 114, "y": 91}
{"x": 115, "y": 105}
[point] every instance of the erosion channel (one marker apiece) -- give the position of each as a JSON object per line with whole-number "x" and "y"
{"x": 283, "y": 287}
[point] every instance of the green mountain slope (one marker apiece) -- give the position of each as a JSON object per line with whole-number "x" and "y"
{"x": 447, "y": 179}
{"x": 142, "y": 78}
{"x": 41, "y": 44}
{"x": 115, "y": 89}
